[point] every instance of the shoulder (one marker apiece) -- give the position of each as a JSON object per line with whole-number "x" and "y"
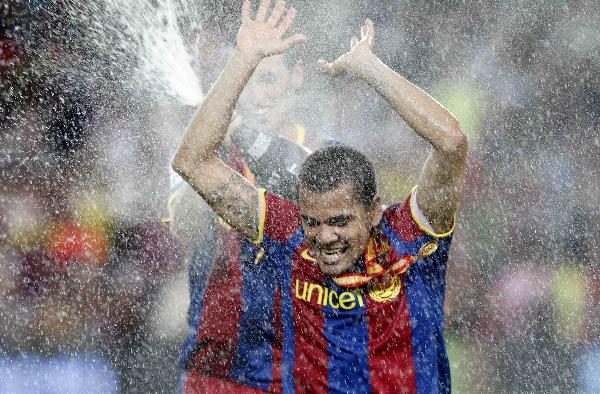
{"x": 280, "y": 218}
{"x": 407, "y": 220}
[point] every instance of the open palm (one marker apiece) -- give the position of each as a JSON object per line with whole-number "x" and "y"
{"x": 264, "y": 36}
{"x": 360, "y": 49}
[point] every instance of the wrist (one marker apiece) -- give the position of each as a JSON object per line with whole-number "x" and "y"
{"x": 366, "y": 64}
{"x": 248, "y": 57}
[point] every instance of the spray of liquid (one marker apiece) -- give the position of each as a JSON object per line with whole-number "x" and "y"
{"x": 144, "y": 42}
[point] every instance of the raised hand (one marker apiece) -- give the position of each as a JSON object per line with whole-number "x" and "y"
{"x": 264, "y": 35}
{"x": 355, "y": 58}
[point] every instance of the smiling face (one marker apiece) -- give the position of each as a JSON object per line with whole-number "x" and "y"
{"x": 337, "y": 226}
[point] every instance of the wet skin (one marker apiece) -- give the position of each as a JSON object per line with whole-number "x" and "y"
{"x": 337, "y": 227}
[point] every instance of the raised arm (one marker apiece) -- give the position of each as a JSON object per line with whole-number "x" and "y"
{"x": 441, "y": 179}
{"x": 196, "y": 159}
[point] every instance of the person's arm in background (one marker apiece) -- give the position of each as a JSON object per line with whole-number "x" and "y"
{"x": 191, "y": 219}
{"x": 274, "y": 160}
{"x": 441, "y": 179}
{"x": 196, "y": 160}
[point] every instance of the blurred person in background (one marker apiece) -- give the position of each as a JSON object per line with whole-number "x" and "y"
{"x": 228, "y": 342}
{"x": 331, "y": 345}
{"x": 54, "y": 283}
{"x": 75, "y": 296}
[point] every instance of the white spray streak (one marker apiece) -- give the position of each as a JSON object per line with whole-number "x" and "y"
{"x": 145, "y": 36}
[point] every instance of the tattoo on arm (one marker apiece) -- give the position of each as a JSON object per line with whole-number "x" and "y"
{"x": 235, "y": 203}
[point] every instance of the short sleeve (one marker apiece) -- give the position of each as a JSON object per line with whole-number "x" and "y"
{"x": 405, "y": 220}
{"x": 422, "y": 221}
{"x": 410, "y": 236}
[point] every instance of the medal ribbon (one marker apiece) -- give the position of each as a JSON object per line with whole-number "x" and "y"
{"x": 373, "y": 255}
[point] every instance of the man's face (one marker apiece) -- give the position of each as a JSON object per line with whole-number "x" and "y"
{"x": 267, "y": 97}
{"x": 337, "y": 227}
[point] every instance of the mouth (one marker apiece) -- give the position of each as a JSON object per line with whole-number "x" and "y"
{"x": 330, "y": 256}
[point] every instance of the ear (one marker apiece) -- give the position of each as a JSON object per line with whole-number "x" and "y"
{"x": 376, "y": 211}
{"x": 297, "y": 75}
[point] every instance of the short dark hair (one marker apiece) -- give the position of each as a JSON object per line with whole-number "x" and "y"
{"x": 330, "y": 167}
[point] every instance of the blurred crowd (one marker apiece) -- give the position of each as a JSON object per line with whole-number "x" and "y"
{"x": 83, "y": 256}
{"x": 89, "y": 275}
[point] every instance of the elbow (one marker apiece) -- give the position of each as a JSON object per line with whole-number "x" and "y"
{"x": 179, "y": 164}
{"x": 185, "y": 163}
{"x": 460, "y": 143}
{"x": 456, "y": 141}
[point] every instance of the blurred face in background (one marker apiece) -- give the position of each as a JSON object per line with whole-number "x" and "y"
{"x": 267, "y": 99}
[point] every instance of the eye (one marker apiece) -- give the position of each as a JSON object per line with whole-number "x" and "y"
{"x": 268, "y": 78}
{"x": 309, "y": 222}
{"x": 339, "y": 221}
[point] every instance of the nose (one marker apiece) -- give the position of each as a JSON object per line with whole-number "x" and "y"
{"x": 326, "y": 234}
{"x": 259, "y": 95}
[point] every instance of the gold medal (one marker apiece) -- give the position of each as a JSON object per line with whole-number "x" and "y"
{"x": 384, "y": 291}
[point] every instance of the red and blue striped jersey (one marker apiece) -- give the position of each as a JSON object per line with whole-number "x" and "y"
{"x": 384, "y": 339}
{"x": 235, "y": 334}
{"x": 234, "y": 343}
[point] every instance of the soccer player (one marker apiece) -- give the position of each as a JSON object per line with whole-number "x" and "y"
{"x": 363, "y": 288}
{"x": 230, "y": 347}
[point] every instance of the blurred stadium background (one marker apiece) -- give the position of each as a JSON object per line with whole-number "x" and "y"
{"x": 92, "y": 284}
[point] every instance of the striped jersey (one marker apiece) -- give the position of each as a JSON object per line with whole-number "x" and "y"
{"x": 218, "y": 353}
{"x": 385, "y": 336}
{"x": 234, "y": 340}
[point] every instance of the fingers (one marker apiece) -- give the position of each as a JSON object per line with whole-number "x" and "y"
{"x": 276, "y": 14}
{"x": 246, "y": 7}
{"x": 288, "y": 43}
{"x": 292, "y": 41}
{"x": 366, "y": 34}
{"x": 325, "y": 66}
{"x": 274, "y": 17}
{"x": 369, "y": 31}
{"x": 287, "y": 21}
{"x": 261, "y": 14}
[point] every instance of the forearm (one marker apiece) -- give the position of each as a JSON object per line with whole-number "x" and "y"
{"x": 423, "y": 113}
{"x": 441, "y": 179}
{"x": 208, "y": 127}
{"x": 440, "y": 182}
